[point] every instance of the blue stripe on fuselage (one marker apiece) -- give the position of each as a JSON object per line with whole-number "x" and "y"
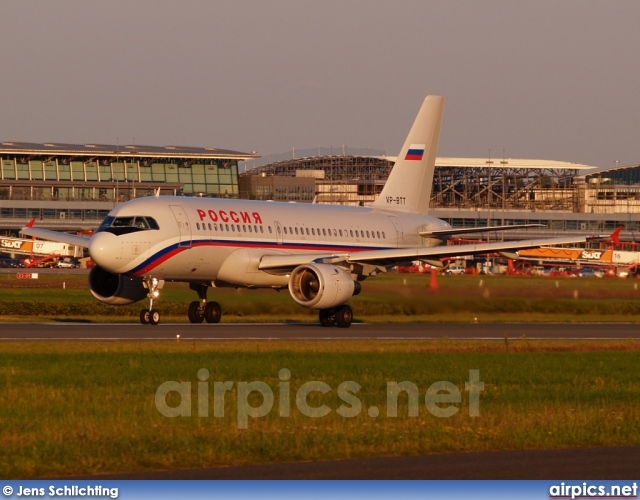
{"x": 168, "y": 252}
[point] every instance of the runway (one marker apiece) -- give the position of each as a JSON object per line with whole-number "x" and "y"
{"x": 310, "y": 331}
{"x": 564, "y": 464}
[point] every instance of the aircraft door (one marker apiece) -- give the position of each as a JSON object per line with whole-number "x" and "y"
{"x": 278, "y": 232}
{"x": 184, "y": 228}
{"x": 399, "y": 230}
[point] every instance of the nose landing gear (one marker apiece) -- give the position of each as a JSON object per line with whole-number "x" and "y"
{"x": 151, "y": 316}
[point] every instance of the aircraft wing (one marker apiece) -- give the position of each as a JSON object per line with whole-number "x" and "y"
{"x": 465, "y": 230}
{"x": 47, "y": 234}
{"x": 393, "y": 256}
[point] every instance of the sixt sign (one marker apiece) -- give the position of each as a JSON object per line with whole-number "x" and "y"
{"x": 591, "y": 255}
{"x": 11, "y": 244}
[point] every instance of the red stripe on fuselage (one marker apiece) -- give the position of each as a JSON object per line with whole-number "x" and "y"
{"x": 163, "y": 258}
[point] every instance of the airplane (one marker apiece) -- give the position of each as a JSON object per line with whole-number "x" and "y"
{"x": 320, "y": 253}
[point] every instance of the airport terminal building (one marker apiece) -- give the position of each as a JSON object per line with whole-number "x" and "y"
{"x": 71, "y": 187}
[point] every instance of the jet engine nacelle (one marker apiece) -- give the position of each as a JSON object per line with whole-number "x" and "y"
{"x": 115, "y": 289}
{"x": 322, "y": 286}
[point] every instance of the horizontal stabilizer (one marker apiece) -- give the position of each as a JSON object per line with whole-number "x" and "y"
{"x": 485, "y": 229}
{"x": 46, "y": 234}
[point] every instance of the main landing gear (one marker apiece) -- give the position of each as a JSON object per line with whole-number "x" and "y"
{"x": 199, "y": 310}
{"x": 340, "y": 316}
{"x": 202, "y": 310}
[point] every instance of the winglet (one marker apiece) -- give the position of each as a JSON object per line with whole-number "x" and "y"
{"x": 31, "y": 223}
{"x": 615, "y": 236}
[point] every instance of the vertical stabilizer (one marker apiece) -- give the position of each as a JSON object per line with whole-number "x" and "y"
{"x": 408, "y": 188}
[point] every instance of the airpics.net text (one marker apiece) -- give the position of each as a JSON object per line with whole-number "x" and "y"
{"x": 441, "y": 399}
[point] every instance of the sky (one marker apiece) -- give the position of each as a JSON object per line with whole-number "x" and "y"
{"x": 543, "y": 79}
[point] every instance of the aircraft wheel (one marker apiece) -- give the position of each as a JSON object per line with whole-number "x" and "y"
{"x": 154, "y": 317}
{"x": 195, "y": 313}
{"x": 145, "y": 316}
{"x": 327, "y": 319}
{"x": 212, "y": 312}
{"x": 344, "y": 316}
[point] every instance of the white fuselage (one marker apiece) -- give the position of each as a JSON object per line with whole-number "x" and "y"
{"x": 212, "y": 239}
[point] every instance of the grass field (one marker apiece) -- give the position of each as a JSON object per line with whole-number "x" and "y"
{"x": 77, "y": 408}
{"x": 386, "y": 298}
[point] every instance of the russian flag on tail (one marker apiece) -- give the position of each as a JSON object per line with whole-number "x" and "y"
{"x": 416, "y": 152}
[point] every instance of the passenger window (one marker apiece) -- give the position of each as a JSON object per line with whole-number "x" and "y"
{"x": 351, "y": 232}
{"x": 285, "y": 229}
{"x": 250, "y": 230}
{"x": 296, "y": 230}
{"x": 367, "y": 234}
{"x": 340, "y": 232}
{"x": 262, "y": 231}
{"x": 335, "y": 232}
{"x": 244, "y": 228}
{"x": 378, "y": 233}
{"x": 197, "y": 225}
{"x": 270, "y": 231}
{"x": 313, "y": 231}
{"x": 383, "y": 236}
{"x": 324, "y": 232}
{"x": 227, "y": 226}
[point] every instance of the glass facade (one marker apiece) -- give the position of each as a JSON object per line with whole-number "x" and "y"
{"x": 53, "y": 214}
{"x": 114, "y": 179}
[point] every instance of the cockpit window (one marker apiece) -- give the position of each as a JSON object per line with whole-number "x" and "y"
{"x": 123, "y": 222}
{"x": 106, "y": 223}
{"x": 126, "y": 225}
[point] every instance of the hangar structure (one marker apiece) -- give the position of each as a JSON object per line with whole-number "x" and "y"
{"x": 468, "y": 192}
{"x": 71, "y": 187}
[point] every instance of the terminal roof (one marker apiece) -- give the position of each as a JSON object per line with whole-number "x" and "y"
{"x": 28, "y": 148}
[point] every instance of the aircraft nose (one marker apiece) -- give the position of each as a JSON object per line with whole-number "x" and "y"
{"x": 104, "y": 251}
